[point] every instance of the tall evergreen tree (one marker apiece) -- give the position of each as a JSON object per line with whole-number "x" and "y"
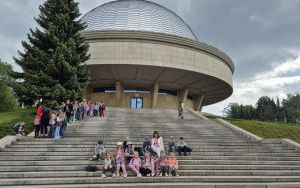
{"x": 54, "y": 59}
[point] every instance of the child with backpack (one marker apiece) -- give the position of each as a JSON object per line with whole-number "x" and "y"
{"x": 19, "y": 129}
{"x": 135, "y": 164}
{"x": 147, "y": 168}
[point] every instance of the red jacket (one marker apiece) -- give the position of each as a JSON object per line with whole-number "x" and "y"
{"x": 39, "y": 111}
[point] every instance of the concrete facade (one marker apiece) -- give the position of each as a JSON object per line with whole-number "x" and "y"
{"x": 200, "y": 74}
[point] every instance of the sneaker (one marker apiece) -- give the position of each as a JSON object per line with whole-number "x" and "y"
{"x": 125, "y": 176}
{"x": 139, "y": 176}
{"x": 166, "y": 175}
{"x": 177, "y": 175}
{"x": 160, "y": 174}
{"x": 113, "y": 175}
{"x": 148, "y": 175}
{"x": 103, "y": 176}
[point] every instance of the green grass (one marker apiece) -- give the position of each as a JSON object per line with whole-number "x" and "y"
{"x": 269, "y": 129}
{"x": 8, "y": 119}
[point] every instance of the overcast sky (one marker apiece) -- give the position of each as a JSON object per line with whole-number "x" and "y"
{"x": 261, "y": 36}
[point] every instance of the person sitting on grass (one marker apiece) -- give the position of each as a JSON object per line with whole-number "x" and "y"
{"x": 99, "y": 153}
{"x": 173, "y": 165}
{"x": 163, "y": 164}
{"x": 19, "y": 129}
{"x": 108, "y": 166}
{"x": 135, "y": 164}
{"x": 147, "y": 168}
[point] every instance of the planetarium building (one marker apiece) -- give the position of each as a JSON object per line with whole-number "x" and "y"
{"x": 145, "y": 56}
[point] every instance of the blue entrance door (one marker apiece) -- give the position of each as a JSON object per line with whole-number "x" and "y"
{"x": 136, "y": 103}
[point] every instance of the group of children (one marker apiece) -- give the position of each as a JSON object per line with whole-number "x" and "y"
{"x": 142, "y": 164}
{"x": 52, "y": 122}
{"x": 86, "y": 110}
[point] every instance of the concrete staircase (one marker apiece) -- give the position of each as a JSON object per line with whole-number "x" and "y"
{"x": 221, "y": 157}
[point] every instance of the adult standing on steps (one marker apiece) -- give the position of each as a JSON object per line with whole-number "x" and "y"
{"x": 180, "y": 110}
{"x": 68, "y": 109}
{"x": 157, "y": 144}
{"x": 37, "y": 121}
{"x": 45, "y": 120}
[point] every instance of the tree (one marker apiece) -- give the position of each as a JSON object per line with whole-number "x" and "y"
{"x": 54, "y": 59}
{"x": 7, "y": 99}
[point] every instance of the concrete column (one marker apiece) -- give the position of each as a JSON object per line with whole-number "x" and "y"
{"x": 198, "y": 102}
{"x": 155, "y": 92}
{"x": 182, "y": 95}
{"x": 119, "y": 93}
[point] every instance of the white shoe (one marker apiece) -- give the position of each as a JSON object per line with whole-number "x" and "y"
{"x": 114, "y": 175}
{"x": 103, "y": 176}
{"x": 160, "y": 174}
{"x": 166, "y": 175}
{"x": 139, "y": 176}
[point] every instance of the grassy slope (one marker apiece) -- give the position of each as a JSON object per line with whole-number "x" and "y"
{"x": 8, "y": 119}
{"x": 269, "y": 130}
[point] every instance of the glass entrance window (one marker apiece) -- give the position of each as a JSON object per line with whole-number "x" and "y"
{"x": 136, "y": 103}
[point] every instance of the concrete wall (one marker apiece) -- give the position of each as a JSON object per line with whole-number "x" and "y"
{"x": 164, "y": 101}
{"x": 140, "y": 52}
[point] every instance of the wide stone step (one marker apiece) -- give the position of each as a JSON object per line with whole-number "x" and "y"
{"x": 173, "y": 185}
{"x": 240, "y": 167}
{"x": 60, "y": 174}
{"x": 202, "y": 179}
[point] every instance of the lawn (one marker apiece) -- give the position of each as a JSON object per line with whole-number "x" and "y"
{"x": 269, "y": 130}
{"x": 8, "y": 119}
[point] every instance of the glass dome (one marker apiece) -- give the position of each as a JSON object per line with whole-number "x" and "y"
{"x": 136, "y": 15}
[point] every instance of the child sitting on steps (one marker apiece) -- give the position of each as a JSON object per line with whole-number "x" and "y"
{"x": 108, "y": 165}
{"x": 120, "y": 160}
{"x": 173, "y": 165}
{"x": 99, "y": 153}
{"x": 135, "y": 164}
{"x": 147, "y": 168}
{"x": 163, "y": 164}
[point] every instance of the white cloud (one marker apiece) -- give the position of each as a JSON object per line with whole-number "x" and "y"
{"x": 274, "y": 83}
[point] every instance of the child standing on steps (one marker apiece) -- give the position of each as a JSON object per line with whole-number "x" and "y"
{"x": 108, "y": 165}
{"x": 135, "y": 164}
{"x": 173, "y": 165}
{"x": 120, "y": 160}
{"x": 99, "y": 153}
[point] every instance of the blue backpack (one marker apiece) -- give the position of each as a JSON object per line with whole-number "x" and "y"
{"x": 16, "y": 127}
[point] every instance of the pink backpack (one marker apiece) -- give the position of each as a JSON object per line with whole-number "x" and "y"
{"x": 37, "y": 120}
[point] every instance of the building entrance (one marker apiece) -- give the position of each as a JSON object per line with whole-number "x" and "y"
{"x": 136, "y": 103}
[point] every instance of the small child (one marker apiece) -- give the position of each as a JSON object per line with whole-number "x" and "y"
{"x": 173, "y": 165}
{"x": 20, "y": 129}
{"x": 99, "y": 153}
{"x": 59, "y": 122}
{"x": 108, "y": 165}
{"x": 135, "y": 164}
{"x": 52, "y": 121}
{"x": 171, "y": 145}
{"x": 163, "y": 164}
{"x": 147, "y": 168}
{"x": 120, "y": 160}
